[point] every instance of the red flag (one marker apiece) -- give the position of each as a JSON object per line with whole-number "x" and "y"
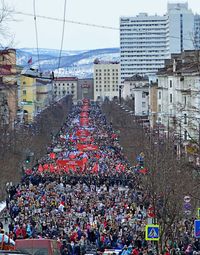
{"x": 95, "y": 168}
{"x": 30, "y": 61}
{"x": 40, "y": 168}
{"x": 52, "y": 155}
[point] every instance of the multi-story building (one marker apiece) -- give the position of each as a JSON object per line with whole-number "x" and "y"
{"x": 27, "y": 97}
{"x": 146, "y": 41}
{"x": 8, "y": 87}
{"x": 43, "y": 93}
{"x": 179, "y": 95}
{"x": 85, "y": 89}
{"x": 63, "y": 86}
{"x": 197, "y": 31}
{"x": 181, "y": 27}
{"x": 144, "y": 44}
{"x": 106, "y": 79}
{"x": 137, "y": 88}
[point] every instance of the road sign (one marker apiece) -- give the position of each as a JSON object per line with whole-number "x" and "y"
{"x": 187, "y": 206}
{"x": 197, "y": 228}
{"x": 152, "y": 233}
{"x": 187, "y": 199}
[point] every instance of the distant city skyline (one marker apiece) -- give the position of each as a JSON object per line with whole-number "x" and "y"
{"x": 78, "y": 37}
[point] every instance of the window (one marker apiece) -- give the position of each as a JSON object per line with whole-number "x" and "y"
{"x": 170, "y": 83}
{"x": 143, "y": 104}
{"x": 143, "y": 95}
{"x": 185, "y": 100}
{"x": 159, "y": 95}
{"x": 24, "y": 92}
{"x": 170, "y": 98}
{"x": 159, "y": 108}
{"x": 24, "y": 83}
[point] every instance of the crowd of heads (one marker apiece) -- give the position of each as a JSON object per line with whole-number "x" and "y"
{"x": 99, "y": 203}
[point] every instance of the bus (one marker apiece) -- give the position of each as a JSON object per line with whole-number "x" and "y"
{"x": 38, "y": 246}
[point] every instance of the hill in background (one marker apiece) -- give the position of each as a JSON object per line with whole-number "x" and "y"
{"x": 72, "y": 63}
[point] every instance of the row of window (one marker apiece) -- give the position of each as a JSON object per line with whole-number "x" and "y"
{"x": 64, "y": 84}
{"x": 108, "y": 85}
{"x": 161, "y": 31}
{"x": 107, "y": 70}
{"x": 106, "y": 90}
{"x": 63, "y": 92}
{"x": 142, "y": 56}
{"x": 143, "y": 47}
{"x": 142, "y": 51}
{"x": 143, "y": 25}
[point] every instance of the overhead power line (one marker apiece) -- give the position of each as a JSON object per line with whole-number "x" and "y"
{"x": 81, "y": 23}
{"x": 67, "y": 21}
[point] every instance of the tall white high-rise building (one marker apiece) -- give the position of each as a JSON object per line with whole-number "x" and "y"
{"x": 197, "y": 31}
{"x": 181, "y": 27}
{"x": 144, "y": 44}
{"x": 146, "y": 41}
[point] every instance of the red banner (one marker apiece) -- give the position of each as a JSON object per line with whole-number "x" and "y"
{"x": 82, "y": 132}
{"x": 87, "y": 147}
{"x": 68, "y": 162}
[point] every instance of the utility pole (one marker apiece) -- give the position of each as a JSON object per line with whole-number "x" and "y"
{"x": 120, "y": 94}
{"x": 199, "y": 143}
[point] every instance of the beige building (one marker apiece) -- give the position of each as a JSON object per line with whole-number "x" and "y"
{"x": 63, "y": 86}
{"x": 106, "y": 79}
{"x": 43, "y": 93}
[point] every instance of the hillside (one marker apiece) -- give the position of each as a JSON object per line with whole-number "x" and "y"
{"x": 73, "y": 63}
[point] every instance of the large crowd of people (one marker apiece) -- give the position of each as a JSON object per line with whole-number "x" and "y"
{"x": 84, "y": 192}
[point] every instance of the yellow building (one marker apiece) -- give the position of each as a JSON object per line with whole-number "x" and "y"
{"x": 27, "y": 96}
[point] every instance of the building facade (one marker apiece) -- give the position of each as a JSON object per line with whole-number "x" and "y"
{"x": 146, "y": 41}
{"x": 27, "y": 98}
{"x": 178, "y": 96}
{"x": 8, "y": 87}
{"x": 44, "y": 95}
{"x": 63, "y": 86}
{"x": 137, "y": 88}
{"x": 106, "y": 79}
{"x": 197, "y": 31}
{"x": 85, "y": 89}
{"x": 181, "y": 27}
{"x": 143, "y": 44}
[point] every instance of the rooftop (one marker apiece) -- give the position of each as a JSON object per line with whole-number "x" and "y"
{"x": 66, "y": 79}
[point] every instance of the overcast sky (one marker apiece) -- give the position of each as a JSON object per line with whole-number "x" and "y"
{"x": 79, "y": 37}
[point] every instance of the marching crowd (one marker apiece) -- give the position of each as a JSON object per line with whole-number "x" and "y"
{"x": 84, "y": 193}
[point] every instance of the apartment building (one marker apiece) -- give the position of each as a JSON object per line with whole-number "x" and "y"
{"x": 178, "y": 97}
{"x": 137, "y": 88}
{"x": 144, "y": 44}
{"x": 63, "y": 86}
{"x": 146, "y": 41}
{"x": 106, "y": 79}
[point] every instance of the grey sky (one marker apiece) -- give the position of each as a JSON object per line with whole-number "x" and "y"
{"x": 78, "y": 37}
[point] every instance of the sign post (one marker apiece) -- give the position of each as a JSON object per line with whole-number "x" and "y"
{"x": 197, "y": 228}
{"x": 152, "y": 233}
